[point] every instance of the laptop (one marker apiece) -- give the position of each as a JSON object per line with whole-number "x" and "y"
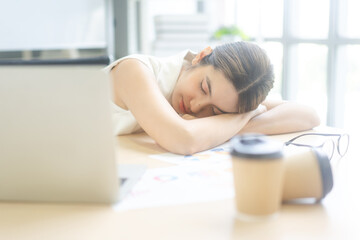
{"x": 56, "y": 137}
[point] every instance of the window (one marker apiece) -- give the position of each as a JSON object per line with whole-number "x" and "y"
{"x": 320, "y": 42}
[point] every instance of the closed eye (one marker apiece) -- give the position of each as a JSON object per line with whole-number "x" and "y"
{"x": 213, "y": 111}
{"x": 202, "y": 86}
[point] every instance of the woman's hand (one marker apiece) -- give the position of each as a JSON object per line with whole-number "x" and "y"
{"x": 188, "y": 117}
{"x": 259, "y": 110}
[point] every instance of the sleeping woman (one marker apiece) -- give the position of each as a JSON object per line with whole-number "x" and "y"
{"x": 193, "y": 102}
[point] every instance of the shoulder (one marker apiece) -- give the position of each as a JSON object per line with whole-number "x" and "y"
{"x": 131, "y": 71}
{"x": 129, "y": 64}
{"x": 139, "y": 58}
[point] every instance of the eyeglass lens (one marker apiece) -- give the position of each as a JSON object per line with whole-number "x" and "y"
{"x": 343, "y": 144}
{"x": 328, "y": 148}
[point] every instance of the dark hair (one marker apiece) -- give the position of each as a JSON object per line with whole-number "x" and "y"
{"x": 248, "y": 67}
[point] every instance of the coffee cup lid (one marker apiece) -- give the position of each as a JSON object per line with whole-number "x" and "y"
{"x": 256, "y": 146}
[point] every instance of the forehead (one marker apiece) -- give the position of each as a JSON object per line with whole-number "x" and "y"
{"x": 224, "y": 94}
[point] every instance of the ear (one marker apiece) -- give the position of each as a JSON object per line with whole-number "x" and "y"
{"x": 201, "y": 55}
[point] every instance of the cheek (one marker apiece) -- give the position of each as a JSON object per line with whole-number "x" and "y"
{"x": 174, "y": 95}
{"x": 183, "y": 87}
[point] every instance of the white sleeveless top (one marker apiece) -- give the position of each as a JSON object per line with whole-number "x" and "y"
{"x": 166, "y": 72}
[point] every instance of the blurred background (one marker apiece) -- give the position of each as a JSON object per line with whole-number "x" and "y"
{"x": 314, "y": 45}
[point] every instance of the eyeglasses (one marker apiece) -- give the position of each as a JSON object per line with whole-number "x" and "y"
{"x": 329, "y": 145}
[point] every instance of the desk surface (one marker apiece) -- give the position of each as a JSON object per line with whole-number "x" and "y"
{"x": 335, "y": 218}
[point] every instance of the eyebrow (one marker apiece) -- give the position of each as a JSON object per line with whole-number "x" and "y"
{"x": 208, "y": 81}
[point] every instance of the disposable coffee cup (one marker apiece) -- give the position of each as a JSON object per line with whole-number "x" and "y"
{"x": 308, "y": 174}
{"x": 258, "y": 176}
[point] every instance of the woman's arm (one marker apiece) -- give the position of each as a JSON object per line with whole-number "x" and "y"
{"x": 282, "y": 117}
{"x": 136, "y": 89}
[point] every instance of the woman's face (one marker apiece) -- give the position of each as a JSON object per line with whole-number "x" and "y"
{"x": 204, "y": 91}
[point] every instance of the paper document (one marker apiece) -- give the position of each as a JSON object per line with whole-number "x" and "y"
{"x": 180, "y": 185}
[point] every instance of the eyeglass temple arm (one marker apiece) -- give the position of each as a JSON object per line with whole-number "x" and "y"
{"x": 297, "y": 144}
{"x": 315, "y": 134}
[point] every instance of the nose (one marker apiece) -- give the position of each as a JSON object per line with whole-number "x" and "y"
{"x": 199, "y": 104}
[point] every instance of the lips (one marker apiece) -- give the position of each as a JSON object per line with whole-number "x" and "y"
{"x": 182, "y": 107}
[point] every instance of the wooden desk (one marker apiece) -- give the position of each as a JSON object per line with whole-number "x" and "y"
{"x": 337, "y": 217}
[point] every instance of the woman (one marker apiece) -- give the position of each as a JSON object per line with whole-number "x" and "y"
{"x": 189, "y": 103}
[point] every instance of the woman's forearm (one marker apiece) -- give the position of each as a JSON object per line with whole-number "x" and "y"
{"x": 213, "y": 131}
{"x": 200, "y": 134}
{"x": 284, "y": 118}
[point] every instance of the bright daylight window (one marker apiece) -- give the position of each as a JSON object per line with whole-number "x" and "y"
{"x": 319, "y": 41}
